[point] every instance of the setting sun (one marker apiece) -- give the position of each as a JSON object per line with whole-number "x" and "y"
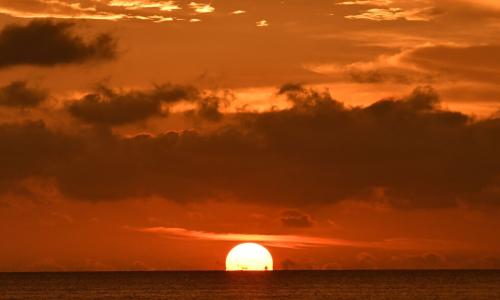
{"x": 249, "y": 257}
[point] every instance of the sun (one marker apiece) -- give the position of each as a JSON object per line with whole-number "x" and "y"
{"x": 249, "y": 257}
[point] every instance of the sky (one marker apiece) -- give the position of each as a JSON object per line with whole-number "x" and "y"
{"x": 157, "y": 135}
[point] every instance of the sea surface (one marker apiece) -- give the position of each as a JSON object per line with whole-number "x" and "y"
{"x": 365, "y": 285}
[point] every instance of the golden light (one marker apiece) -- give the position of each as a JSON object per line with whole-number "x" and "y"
{"x": 249, "y": 257}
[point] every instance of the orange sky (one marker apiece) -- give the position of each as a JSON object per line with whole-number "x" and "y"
{"x": 152, "y": 135}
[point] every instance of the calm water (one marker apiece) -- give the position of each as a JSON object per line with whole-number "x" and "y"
{"x": 366, "y": 285}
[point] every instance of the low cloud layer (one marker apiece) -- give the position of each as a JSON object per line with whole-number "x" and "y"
{"x": 49, "y": 43}
{"x": 407, "y": 152}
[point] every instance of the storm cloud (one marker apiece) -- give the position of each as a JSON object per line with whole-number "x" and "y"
{"x": 49, "y": 43}
{"x": 409, "y": 152}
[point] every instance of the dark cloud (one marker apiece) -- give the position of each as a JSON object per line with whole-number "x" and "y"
{"x": 409, "y": 152}
{"x": 422, "y": 99}
{"x": 109, "y": 107}
{"x": 209, "y": 109}
{"x": 379, "y": 74}
{"x": 296, "y": 219}
{"x": 49, "y": 43}
{"x": 29, "y": 150}
{"x": 290, "y": 87}
{"x": 18, "y": 94}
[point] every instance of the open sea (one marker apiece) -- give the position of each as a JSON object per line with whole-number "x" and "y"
{"x": 365, "y": 285}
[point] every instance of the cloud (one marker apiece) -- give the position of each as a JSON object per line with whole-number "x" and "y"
{"x": 296, "y": 219}
{"x": 386, "y": 68}
{"x": 202, "y": 8}
{"x": 294, "y": 241}
{"x": 209, "y": 109}
{"x": 262, "y": 23}
{"x": 394, "y": 13}
{"x": 290, "y": 88}
{"x": 288, "y": 264}
{"x": 112, "y": 10}
{"x": 31, "y": 152}
{"x": 409, "y": 153}
{"x": 469, "y": 62}
{"x": 281, "y": 241}
{"x": 58, "y": 9}
{"x": 422, "y": 64}
{"x": 18, "y": 94}
{"x": 491, "y": 4}
{"x": 48, "y": 43}
{"x": 141, "y": 4}
{"x": 366, "y": 261}
{"x": 367, "y": 2}
{"x": 108, "y": 107}
{"x": 392, "y": 10}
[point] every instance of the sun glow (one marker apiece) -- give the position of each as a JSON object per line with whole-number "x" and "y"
{"x": 249, "y": 257}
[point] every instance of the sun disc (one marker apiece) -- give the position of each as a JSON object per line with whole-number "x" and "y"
{"x": 249, "y": 257}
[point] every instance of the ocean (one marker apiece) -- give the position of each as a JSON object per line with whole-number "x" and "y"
{"x": 363, "y": 285}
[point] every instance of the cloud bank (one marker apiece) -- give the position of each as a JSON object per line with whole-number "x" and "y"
{"x": 408, "y": 152}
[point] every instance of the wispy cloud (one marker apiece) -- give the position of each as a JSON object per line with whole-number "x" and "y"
{"x": 296, "y": 241}
{"x": 238, "y": 12}
{"x": 391, "y": 10}
{"x": 394, "y": 13}
{"x": 282, "y": 241}
{"x": 83, "y": 16}
{"x": 366, "y": 2}
{"x": 102, "y": 10}
{"x": 140, "y": 4}
{"x": 56, "y": 9}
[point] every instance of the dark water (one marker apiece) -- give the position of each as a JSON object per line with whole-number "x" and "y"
{"x": 366, "y": 285}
